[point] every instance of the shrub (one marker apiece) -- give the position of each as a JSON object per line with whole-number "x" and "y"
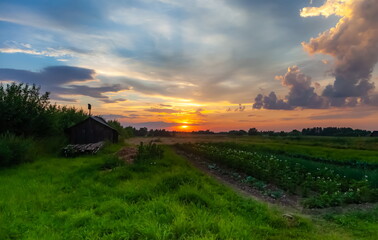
{"x": 148, "y": 151}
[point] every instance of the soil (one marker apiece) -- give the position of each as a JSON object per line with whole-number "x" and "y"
{"x": 127, "y": 154}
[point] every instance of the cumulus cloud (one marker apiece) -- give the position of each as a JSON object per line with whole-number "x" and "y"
{"x": 59, "y": 79}
{"x": 301, "y": 93}
{"x": 353, "y": 44}
{"x": 271, "y": 102}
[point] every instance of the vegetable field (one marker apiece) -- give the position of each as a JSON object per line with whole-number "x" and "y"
{"x": 320, "y": 183}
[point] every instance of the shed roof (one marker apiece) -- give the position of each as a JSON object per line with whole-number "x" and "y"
{"x": 97, "y": 119}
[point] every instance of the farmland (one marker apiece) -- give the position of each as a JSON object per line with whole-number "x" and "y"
{"x": 323, "y": 173}
{"x": 98, "y": 197}
{"x": 162, "y": 196}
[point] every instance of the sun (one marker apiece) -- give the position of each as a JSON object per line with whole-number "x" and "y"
{"x": 184, "y": 126}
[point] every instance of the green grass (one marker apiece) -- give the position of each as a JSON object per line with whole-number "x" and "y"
{"x": 96, "y": 197}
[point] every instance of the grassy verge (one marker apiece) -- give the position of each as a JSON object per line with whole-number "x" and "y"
{"x": 96, "y": 197}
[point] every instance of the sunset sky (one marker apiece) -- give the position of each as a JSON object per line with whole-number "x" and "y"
{"x": 200, "y": 64}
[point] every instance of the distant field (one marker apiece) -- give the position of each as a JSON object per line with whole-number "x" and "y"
{"x": 361, "y": 143}
{"x": 358, "y": 151}
{"x": 97, "y": 197}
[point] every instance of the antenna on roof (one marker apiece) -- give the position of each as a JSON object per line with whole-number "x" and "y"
{"x": 89, "y": 108}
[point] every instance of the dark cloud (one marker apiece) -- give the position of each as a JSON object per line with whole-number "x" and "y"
{"x": 120, "y": 116}
{"x": 301, "y": 93}
{"x": 165, "y": 105}
{"x": 114, "y": 100}
{"x": 241, "y": 108}
{"x": 353, "y": 44}
{"x": 113, "y": 116}
{"x": 57, "y": 79}
{"x": 154, "y": 125}
{"x": 162, "y": 110}
{"x": 49, "y": 76}
{"x": 271, "y": 102}
{"x": 287, "y": 119}
{"x": 199, "y": 113}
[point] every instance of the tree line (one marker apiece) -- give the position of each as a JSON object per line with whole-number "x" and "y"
{"x": 30, "y": 124}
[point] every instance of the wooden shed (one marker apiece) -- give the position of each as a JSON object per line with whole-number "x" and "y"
{"x": 91, "y": 130}
{"x": 374, "y": 134}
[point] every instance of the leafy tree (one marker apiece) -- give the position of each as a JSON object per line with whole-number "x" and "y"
{"x": 253, "y": 132}
{"x": 23, "y": 110}
{"x": 123, "y": 132}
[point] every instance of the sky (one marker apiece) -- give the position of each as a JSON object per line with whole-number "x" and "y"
{"x": 190, "y": 65}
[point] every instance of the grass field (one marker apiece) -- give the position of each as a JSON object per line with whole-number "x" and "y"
{"x": 96, "y": 197}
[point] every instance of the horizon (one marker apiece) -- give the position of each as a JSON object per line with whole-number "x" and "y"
{"x": 197, "y": 65}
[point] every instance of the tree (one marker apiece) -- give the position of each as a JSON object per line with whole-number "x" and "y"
{"x": 253, "y": 132}
{"x": 23, "y": 110}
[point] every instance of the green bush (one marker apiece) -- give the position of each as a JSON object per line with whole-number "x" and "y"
{"x": 148, "y": 151}
{"x": 16, "y": 150}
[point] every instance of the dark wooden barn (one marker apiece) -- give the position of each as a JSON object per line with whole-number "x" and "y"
{"x": 374, "y": 134}
{"x": 91, "y": 130}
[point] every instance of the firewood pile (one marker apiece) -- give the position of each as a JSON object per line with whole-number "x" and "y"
{"x": 73, "y": 150}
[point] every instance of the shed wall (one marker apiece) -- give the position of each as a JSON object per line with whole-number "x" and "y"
{"x": 91, "y": 131}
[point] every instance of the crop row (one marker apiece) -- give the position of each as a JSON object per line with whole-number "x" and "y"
{"x": 321, "y": 187}
{"x": 364, "y": 159}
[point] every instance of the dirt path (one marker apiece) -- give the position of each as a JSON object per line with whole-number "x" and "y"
{"x": 127, "y": 154}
